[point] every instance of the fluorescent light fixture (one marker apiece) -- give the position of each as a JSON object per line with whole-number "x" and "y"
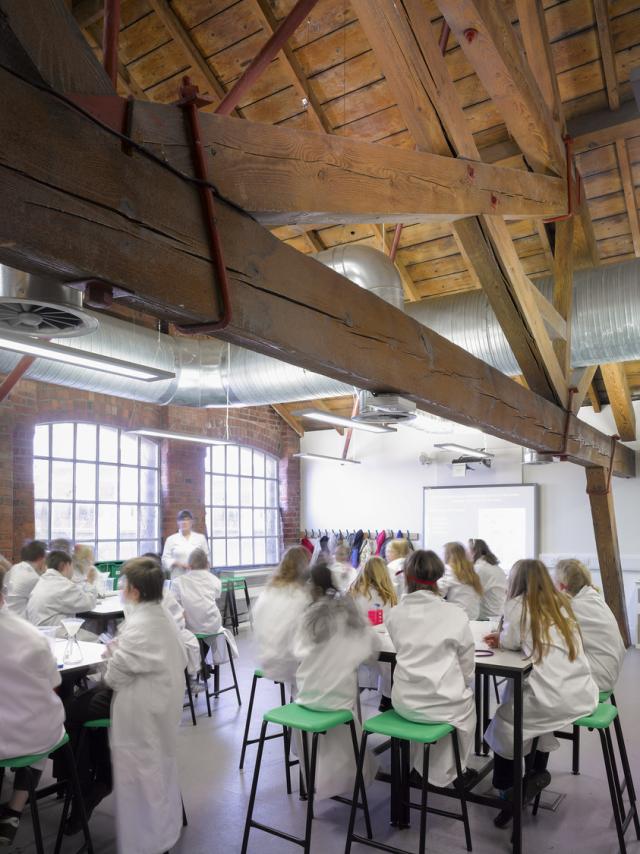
{"x": 339, "y": 421}
{"x": 71, "y": 356}
{"x": 181, "y": 437}
{"x": 323, "y": 458}
{"x": 464, "y": 451}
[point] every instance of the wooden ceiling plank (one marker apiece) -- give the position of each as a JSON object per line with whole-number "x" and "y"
{"x": 629, "y": 192}
{"x": 544, "y": 242}
{"x": 607, "y": 52}
{"x": 533, "y": 29}
{"x": 581, "y": 380}
{"x": 594, "y": 398}
{"x": 617, "y": 388}
{"x": 411, "y": 293}
{"x": 563, "y": 288}
{"x": 126, "y": 80}
{"x": 288, "y": 418}
{"x": 88, "y": 12}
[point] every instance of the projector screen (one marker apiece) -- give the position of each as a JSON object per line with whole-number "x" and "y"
{"x": 506, "y": 517}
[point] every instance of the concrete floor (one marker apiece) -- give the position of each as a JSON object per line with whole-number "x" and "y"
{"x": 215, "y": 792}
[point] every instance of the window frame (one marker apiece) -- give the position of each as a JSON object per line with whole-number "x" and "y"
{"x": 73, "y": 459}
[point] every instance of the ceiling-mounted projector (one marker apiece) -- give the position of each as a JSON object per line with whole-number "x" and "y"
{"x": 384, "y": 408}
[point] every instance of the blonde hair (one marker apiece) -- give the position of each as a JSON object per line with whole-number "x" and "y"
{"x": 375, "y": 576}
{"x": 399, "y": 548}
{"x": 292, "y": 568}
{"x": 545, "y": 606}
{"x": 455, "y": 556}
{"x": 573, "y": 574}
{"x": 82, "y": 557}
{"x": 342, "y": 553}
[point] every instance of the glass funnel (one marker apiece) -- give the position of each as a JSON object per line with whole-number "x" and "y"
{"x": 72, "y": 651}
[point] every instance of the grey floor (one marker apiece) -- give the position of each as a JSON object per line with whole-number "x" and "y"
{"x": 215, "y": 792}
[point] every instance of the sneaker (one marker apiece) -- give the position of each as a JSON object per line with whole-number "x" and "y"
{"x": 533, "y": 784}
{"x": 9, "y": 823}
{"x": 385, "y": 704}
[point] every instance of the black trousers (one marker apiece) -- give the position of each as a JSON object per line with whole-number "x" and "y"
{"x": 503, "y": 768}
{"x": 95, "y": 754}
{"x": 21, "y": 778}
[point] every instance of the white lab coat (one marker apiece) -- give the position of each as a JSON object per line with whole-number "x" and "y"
{"x": 601, "y": 637}
{"x": 373, "y": 602}
{"x": 20, "y": 581}
{"x": 31, "y": 712}
{"x": 55, "y": 598}
{"x": 435, "y": 667}
{"x": 395, "y": 569}
{"x": 189, "y": 640}
{"x": 275, "y": 619}
{"x": 197, "y": 592}
{"x": 556, "y": 693}
{"x": 494, "y": 589}
{"x": 178, "y": 548}
{"x": 327, "y": 681}
{"x": 343, "y": 575}
{"x": 462, "y": 595}
{"x": 146, "y": 672}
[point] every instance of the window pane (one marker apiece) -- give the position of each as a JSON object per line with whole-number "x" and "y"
{"x": 129, "y": 449}
{"x": 86, "y": 438}
{"x": 85, "y": 482}
{"x": 232, "y": 492}
{"x": 218, "y": 529}
{"x": 107, "y": 521}
{"x": 218, "y": 553}
{"x": 246, "y": 523}
{"x": 258, "y": 521}
{"x": 108, "y": 483}
{"x": 107, "y": 550}
{"x": 61, "y": 480}
{"x": 258, "y": 493}
{"x": 232, "y": 459}
{"x": 61, "y": 520}
{"x": 149, "y": 486}
{"x": 271, "y": 467}
{"x": 42, "y": 520}
{"x": 108, "y": 450}
{"x": 246, "y": 493}
{"x": 258, "y": 464}
{"x": 233, "y": 552}
{"x": 149, "y": 546}
{"x": 272, "y": 493}
{"x": 259, "y": 551}
{"x": 216, "y": 455}
{"x": 218, "y": 494}
{"x": 128, "y": 521}
{"x": 246, "y": 466}
{"x": 246, "y": 551}
{"x": 62, "y": 441}
{"x": 41, "y": 440}
{"x": 85, "y": 521}
{"x": 128, "y": 484}
{"x": 148, "y": 521}
{"x": 127, "y": 550}
{"x": 272, "y": 522}
{"x": 232, "y": 523}
{"x": 272, "y": 550}
{"x": 148, "y": 453}
{"x": 41, "y": 478}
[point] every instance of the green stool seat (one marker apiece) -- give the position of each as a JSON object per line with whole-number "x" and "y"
{"x": 601, "y": 718}
{"x": 300, "y": 717}
{"x": 205, "y": 635}
{"x": 604, "y": 696}
{"x": 32, "y": 759}
{"x": 393, "y": 725}
{"x": 98, "y": 723}
{"x": 257, "y": 672}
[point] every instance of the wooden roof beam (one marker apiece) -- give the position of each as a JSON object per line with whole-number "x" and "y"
{"x": 533, "y": 30}
{"x": 629, "y": 190}
{"x": 617, "y": 388}
{"x": 582, "y": 381}
{"x": 288, "y": 418}
{"x": 563, "y": 289}
{"x": 607, "y": 52}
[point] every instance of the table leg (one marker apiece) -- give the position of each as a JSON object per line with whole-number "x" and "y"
{"x": 485, "y": 710}
{"x": 478, "y": 698}
{"x": 518, "y": 686}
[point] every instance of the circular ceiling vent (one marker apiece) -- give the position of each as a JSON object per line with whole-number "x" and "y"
{"x": 30, "y": 305}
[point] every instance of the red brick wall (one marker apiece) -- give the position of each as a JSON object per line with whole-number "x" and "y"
{"x": 182, "y": 463}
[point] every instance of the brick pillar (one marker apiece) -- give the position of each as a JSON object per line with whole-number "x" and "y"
{"x": 182, "y": 484}
{"x": 289, "y": 476}
{"x": 6, "y": 482}
{"x": 23, "y": 507}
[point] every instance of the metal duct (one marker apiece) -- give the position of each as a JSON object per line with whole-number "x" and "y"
{"x": 605, "y": 324}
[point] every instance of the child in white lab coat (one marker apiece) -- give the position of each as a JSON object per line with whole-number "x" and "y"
{"x": 197, "y": 592}
{"x": 435, "y": 664}
{"x": 24, "y": 576}
{"x": 397, "y": 551}
{"x": 333, "y": 639}
{"x": 56, "y": 597}
{"x": 601, "y": 636}
{"x": 276, "y": 615}
{"x": 342, "y": 572}
{"x": 146, "y": 672}
{"x": 492, "y": 577}
{"x": 31, "y": 712}
{"x": 375, "y": 596}
{"x": 538, "y": 619}
{"x": 460, "y": 583}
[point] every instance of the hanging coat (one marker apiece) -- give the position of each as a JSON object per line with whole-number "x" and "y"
{"x": 462, "y": 595}
{"x": 146, "y": 672}
{"x": 372, "y": 602}
{"x": 275, "y": 620}
{"x": 380, "y": 540}
{"x": 556, "y": 693}
{"x": 20, "y": 581}
{"x": 435, "y": 667}
{"x": 55, "y": 597}
{"x": 327, "y": 681}
{"x": 494, "y": 589}
{"x": 601, "y": 637}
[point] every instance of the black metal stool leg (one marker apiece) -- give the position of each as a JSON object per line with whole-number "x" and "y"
{"x": 307, "y": 775}
{"x": 395, "y": 782}
{"x": 233, "y": 672}
{"x": 463, "y": 796}
{"x": 612, "y": 792}
{"x": 626, "y": 770}
{"x": 365, "y": 805}
{"x": 356, "y": 792}
{"x": 35, "y": 818}
{"x": 616, "y": 776}
{"x": 478, "y": 699}
{"x": 310, "y": 790}
{"x": 190, "y": 696}
{"x": 496, "y": 689}
{"x": 203, "y": 671}
{"x": 575, "y": 769}
{"x": 485, "y": 712}
{"x": 423, "y": 798}
{"x": 285, "y": 739}
{"x": 254, "y": 788}
{"x": 248, "y": 722}
{"x": 184, "y": 814}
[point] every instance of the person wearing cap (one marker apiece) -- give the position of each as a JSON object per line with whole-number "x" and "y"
{"x": 178, "y": 547}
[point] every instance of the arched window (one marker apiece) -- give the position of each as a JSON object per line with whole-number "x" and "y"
{"x": 241, "y": 502}
{"x": 97, "y": 485}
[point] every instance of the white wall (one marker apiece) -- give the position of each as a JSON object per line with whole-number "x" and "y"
{"x": 386, "y": 490}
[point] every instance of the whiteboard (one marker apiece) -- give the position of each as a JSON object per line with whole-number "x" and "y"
{"x": 506, "y": 517}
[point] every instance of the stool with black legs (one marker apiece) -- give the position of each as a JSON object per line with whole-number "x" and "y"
{"x": 189, "y": 702}
{"x": 574, "y": 735}
{"x": 204, "y": 671}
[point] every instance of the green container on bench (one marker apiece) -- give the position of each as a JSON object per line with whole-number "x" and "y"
{"x": 111, "y": 566}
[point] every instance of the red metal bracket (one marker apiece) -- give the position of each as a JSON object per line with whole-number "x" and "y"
{"x": 614, "y": 441}
{"x": 574, "y": 183}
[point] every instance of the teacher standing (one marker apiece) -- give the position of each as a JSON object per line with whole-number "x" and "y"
{"x": 178, "y": 547}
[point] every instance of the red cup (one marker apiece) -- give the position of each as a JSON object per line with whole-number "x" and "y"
{"x": 376, "y": 616}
